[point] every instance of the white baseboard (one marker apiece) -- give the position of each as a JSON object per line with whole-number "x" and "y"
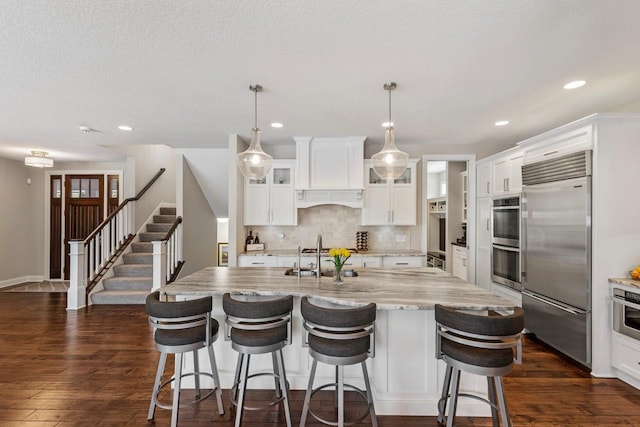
{"x": 19, "y": 280}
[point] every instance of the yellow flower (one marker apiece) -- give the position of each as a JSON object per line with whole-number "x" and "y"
{"x": 340, "y": 256}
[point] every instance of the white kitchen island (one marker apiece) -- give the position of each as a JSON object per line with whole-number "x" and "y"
{"x": 405, "y": 374}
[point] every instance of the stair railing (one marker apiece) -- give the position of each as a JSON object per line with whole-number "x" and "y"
{"x": 92, "y": 257}
{"x": 167, "y": 256}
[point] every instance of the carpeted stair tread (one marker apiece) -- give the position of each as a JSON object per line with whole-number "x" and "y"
{"x": 117, "y": 283}
{"x": 146, "y": 247}
{"x": 163, "y": 219}
{"x": 119, "y": 297}
{"x": 138, "y": 258}
{"x": 133, "y": 270}
{"x": 159, "y": 227}
{"x": 151, "y": 236}
{"x": 167, "y": 211}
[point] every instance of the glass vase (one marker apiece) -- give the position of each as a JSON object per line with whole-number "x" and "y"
{"x": 337, "y": 276}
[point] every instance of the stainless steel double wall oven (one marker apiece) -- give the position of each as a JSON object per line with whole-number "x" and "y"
{"x": 505, "y": 242}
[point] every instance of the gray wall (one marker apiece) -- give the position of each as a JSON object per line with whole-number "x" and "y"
{"x": 21, "y": 222}
{"x": 199, "y": 224}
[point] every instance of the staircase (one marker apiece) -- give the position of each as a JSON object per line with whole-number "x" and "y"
{"x": 132, "y": 281}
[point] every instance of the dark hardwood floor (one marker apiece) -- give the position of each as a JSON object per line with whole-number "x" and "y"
{"x": 95, "y": 367}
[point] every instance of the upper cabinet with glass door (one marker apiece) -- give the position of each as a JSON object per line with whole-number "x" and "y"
{"x": 271, "y": 200}
{"x": 389, "y": 202}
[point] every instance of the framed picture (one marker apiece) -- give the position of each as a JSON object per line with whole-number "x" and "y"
{"x": 223, "y": 254}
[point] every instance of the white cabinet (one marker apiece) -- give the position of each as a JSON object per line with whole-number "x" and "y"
{"x": 465, "y": 187}
{"x": 507, "y": 173}
{"x": 389, "y": 202}
{"x": 288, "y": 261}
{"x": 257, "y": 261}
{"x": 372, "y": 261}
{"x": 625, "y": 356}
{"x": 271, "y": 200}
{"x": 402, "y": 261}
{"x": 483, "y": 243}
{"x": 460, "y": 262}
{"x": 483, "y": 183}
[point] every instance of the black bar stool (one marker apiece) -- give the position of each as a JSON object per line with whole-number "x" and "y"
{"x": 258, "y": 325}
{"x": 481, "y": 344}
{"x": 181, "y": 327}
{"x": 339, "y": 336}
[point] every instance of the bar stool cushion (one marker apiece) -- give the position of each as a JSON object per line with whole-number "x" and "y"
{"x": 265, "y": 337}
{"x": 477, "y": 356}
{"x": 335, "y": 348}
{"x": 185, "y": 336}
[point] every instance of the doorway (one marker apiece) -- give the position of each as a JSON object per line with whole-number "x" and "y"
{"x": 448, "y": 206}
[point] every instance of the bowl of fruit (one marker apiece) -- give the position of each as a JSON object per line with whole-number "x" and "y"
{"x": 635, "y": 274}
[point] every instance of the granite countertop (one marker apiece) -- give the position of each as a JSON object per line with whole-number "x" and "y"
{"x": 396, "y": 289}
{"x": 375, "y": 252}
{"x": 626, "y": 281}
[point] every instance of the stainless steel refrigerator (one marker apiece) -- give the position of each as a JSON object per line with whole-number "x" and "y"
{"x": 556, "y": 292}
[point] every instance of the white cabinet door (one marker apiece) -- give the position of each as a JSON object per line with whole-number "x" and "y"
{"x": 460, "y": 262}
{"x": 507, "y": 174}
{"x": 483, "y": 184}
{"x": 271, "y": 201}
{"x": 372, "y": 261}
{"x": 390, "y": 202}
{"x": 402, "y": 261}
{"x": 483, "y": 225}
{"x": 483, "y": 268}
{"x": 257, "y": 261}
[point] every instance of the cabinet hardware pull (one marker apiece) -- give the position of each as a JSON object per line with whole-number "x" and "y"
{"x": 488, "y": 224}
{"x": 488, "y": 189}
{"x": 402, "y": 263}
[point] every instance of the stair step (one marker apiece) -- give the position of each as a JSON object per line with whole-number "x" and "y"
{"x": 164, "y": 218}
{"x": 119, "y": 297}
{"x": 133, "y": 270}
{"x": 119, "y": 283}
{"x": 167, "y": 211}
{"x": 138, "y": 258}
{"x": 151, "y": 236}
{"x": 164, "y": 227}
{"x": 142, "y": 247}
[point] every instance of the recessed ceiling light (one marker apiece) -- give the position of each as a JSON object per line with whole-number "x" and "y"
{"x": 276, "y": 125}
{"x": 502, "y": 122}
{"x": 387, "y": 124}
{"x": 575, "y": 84}
{"x": 125, "y": 127}
{"x": 84, "y": 128}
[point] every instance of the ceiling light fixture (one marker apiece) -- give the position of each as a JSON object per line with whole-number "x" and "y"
{"x": 277, "y": 125}
{"x": 502, "y": 122}
{"x": 254, "y": 163}
{"x": 38, "y": 159}
{"x": 390, "y": 162}
{"x": 125, "y": 128}
{"x": 575, "y": 84}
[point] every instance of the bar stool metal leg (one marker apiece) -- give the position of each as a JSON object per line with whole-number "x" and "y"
{"x": 176, "y": 390}
{"x": 216, "y": 380}
{"x": 491, "y": 386}
{"x": 340, "y": 393}
{"x": 367, "y": 384}
{"x": 244, "y": 373}
{"x": 454, "y": 397}
{"x": 442, "y": 404}
{"x": 196, "y": 369}
{"x": 276, "y": 368}
{"x": 307, "y": 396}
{"x": 156, "y": 385}
{"x": 282, "y": 378}
{"x": 504, "y": 412}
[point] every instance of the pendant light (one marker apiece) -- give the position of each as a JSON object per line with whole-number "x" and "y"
{"x": 254, "y": 163}
{"x": 390, "y": 163}
{"x": 38, "y": 159}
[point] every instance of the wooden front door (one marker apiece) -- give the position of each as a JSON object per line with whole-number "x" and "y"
{"x": 55, "y": 227}
{"x": 84, "y": 208}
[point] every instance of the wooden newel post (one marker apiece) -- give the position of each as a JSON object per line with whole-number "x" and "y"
{"x": 159, "y": 264}
{"x": 76, "y": 295}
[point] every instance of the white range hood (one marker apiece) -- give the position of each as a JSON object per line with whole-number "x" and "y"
{"x": 329, "y": 171}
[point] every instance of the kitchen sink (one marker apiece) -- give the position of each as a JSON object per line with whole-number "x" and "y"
{"x": 325, "y": 273}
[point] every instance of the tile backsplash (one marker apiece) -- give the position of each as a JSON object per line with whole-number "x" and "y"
{"x": 338, "y": 226}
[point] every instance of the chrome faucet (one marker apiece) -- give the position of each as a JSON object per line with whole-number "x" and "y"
{"x": 318, "y": 270}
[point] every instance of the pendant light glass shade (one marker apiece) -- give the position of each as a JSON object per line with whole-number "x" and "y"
{"x": 38, "y": 159}
{"x": 254, "y": 163}
{"x": 390, "y": 163}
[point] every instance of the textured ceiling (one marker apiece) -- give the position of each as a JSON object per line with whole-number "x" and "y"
{"x": 179, "y": 71}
